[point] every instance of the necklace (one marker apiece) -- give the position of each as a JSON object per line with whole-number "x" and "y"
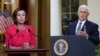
{"x": 21, "y": 27}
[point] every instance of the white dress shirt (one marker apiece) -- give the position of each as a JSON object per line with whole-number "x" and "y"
{"x": 83, "y": 22}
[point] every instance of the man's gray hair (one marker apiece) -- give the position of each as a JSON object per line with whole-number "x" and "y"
{"x": 84, "y": 6}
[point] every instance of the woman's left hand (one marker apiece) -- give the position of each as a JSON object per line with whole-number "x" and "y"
{"x": 26, "y": 45}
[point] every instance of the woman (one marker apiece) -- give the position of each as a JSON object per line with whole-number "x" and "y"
{"x": 20, "y": 35}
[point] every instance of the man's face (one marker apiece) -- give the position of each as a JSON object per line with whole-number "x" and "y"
{"x": 83, "y": 13}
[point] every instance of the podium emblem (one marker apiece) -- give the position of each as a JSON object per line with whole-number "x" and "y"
{"x": 61, "y": 47}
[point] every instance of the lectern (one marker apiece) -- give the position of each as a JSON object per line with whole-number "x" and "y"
{"x": 77, "y": 46}
{"x": 26, "y": 51}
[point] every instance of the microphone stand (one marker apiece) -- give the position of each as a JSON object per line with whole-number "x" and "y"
{"x": 11, "y": 38}
{"x": 38, "y": 38}
{"x": 41, "y": 40}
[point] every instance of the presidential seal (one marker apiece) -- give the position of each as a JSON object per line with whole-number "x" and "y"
{"x": 61, "y": 47}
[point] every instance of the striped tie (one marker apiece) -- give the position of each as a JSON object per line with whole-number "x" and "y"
{"x": 79, "y": 26}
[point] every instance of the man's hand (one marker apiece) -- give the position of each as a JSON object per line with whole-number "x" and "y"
{"x": 83, "y": 33}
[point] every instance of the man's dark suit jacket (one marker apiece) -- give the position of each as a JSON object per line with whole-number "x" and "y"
{"x": 91, "y": 28}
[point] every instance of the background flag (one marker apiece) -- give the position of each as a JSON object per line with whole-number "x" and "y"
{"x": 9, "y": 20}
{"x": 5, "y": 21}
{"x": 2, "y": 23}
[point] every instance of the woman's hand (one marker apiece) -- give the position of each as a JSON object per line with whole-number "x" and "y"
{"x": 26, "y": 45}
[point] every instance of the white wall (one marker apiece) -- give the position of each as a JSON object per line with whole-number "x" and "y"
{"x": 94, "y": 7}
{"x": 55, "y": 21}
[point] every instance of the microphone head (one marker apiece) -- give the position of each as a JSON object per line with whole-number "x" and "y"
{"x": 29, "y": 30}
{"x": 17, "y": 30}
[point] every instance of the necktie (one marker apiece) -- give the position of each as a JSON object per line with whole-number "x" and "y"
{"x": 79, "y": 26}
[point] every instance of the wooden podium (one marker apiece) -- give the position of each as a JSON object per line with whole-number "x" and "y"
{"x": 26, "y": 51}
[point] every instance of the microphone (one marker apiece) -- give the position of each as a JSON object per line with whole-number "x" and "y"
{"x": 42, "y": 43}
{"x": 12, "y": 37}
{"x": 17, "y": 31}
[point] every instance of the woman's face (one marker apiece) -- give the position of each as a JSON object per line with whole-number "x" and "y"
{"x": 21, "y": 17}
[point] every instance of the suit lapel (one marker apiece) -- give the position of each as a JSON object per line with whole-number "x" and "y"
{"x": 74, "y": 27}
{"x": 85, "y": 25}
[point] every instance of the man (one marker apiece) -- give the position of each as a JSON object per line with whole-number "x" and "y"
{"x": 88, "y": 29}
